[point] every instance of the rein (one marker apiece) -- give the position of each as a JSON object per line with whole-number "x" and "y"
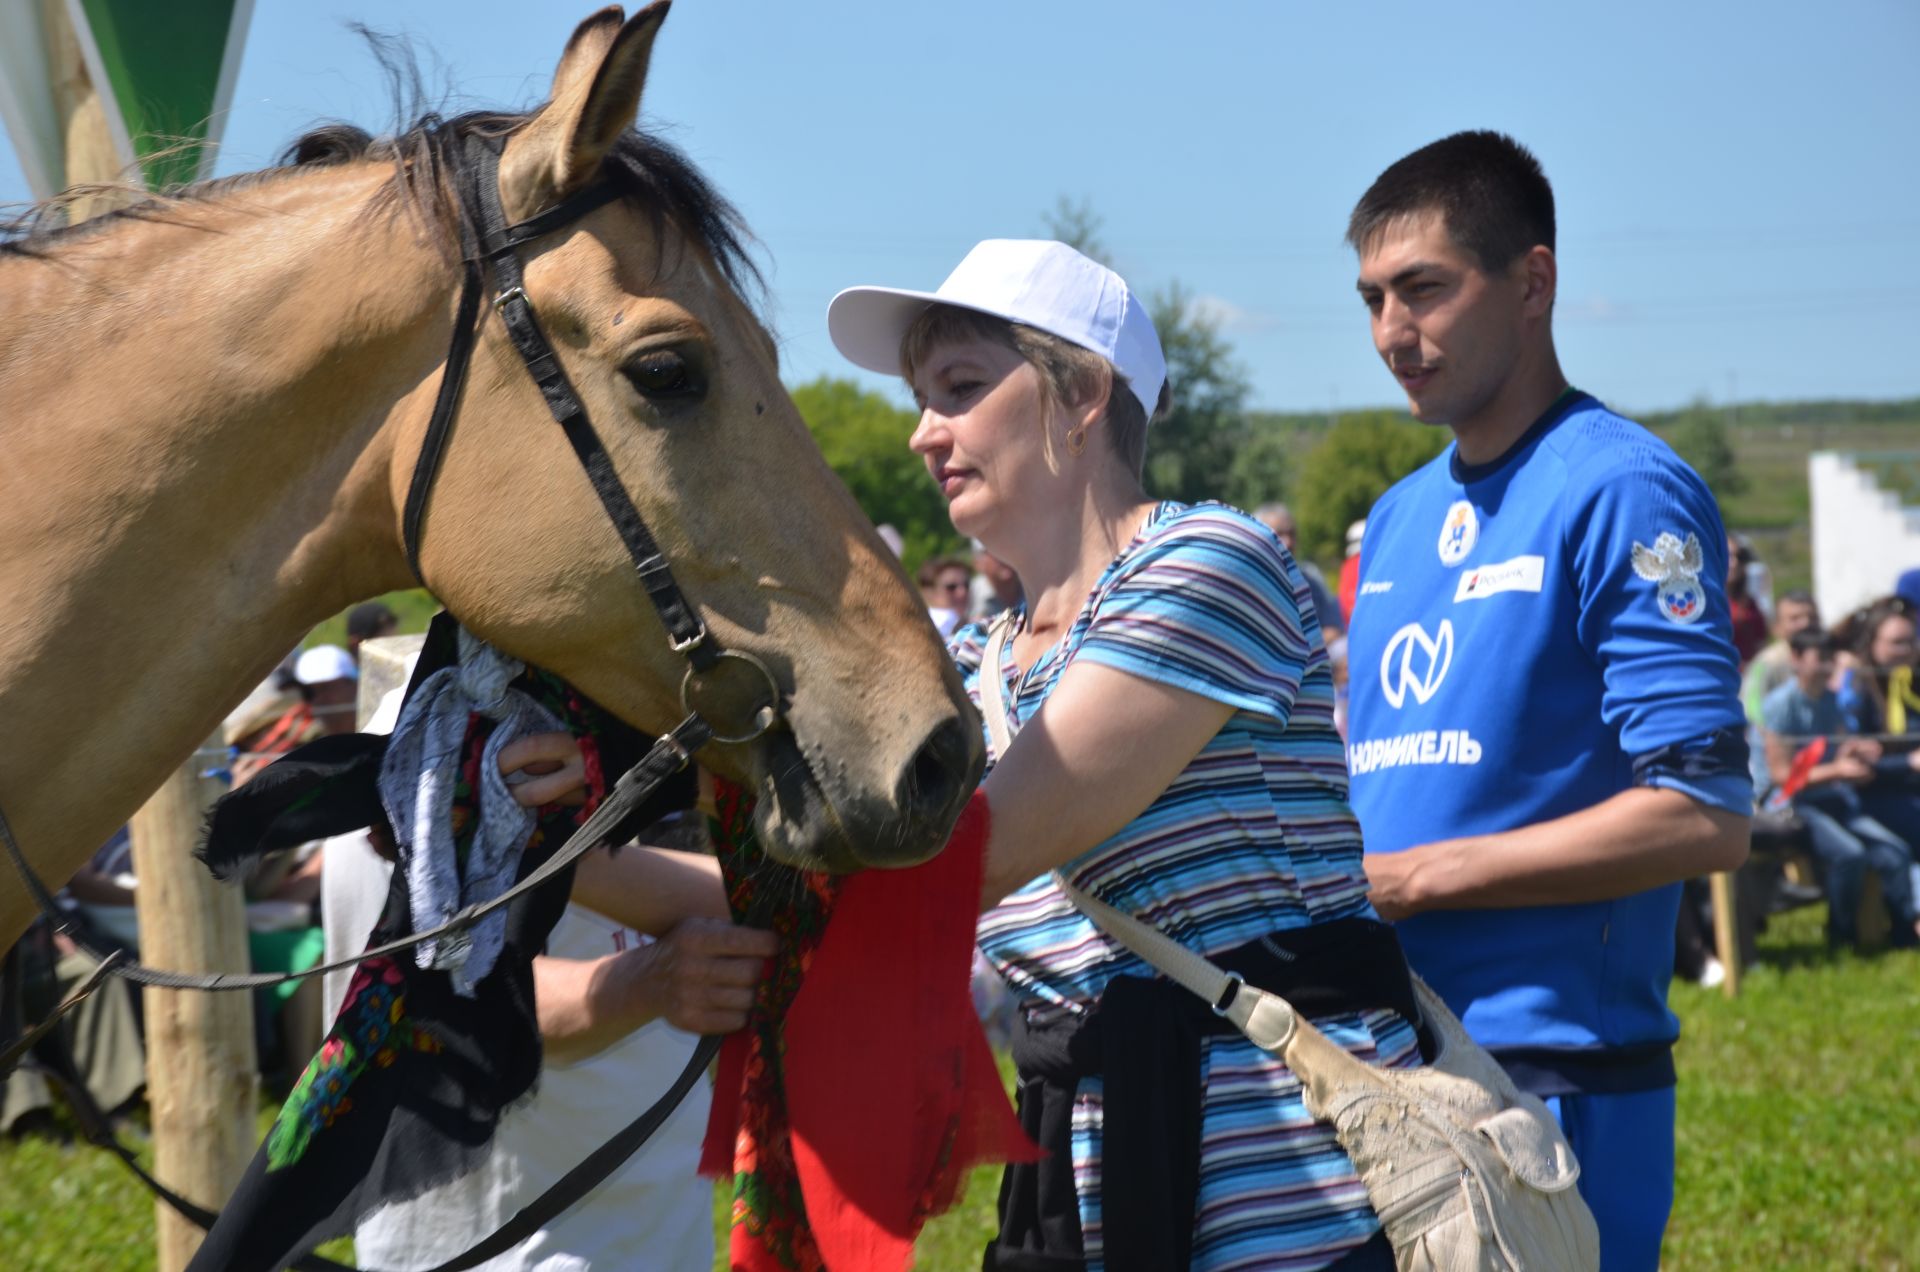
{"x": 490, "y": 250}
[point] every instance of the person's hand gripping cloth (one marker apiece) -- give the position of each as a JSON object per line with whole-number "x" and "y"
{"x": 862, "y": 1090}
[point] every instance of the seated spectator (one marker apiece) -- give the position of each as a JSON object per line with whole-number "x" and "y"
{"x": 1749, "y": 623}
{"x": 945, "y": 586}
{"x": 98, "y": 1044}
{"x": 1773, "y": 666}
{"x": 1879, "y": 695}
{"x": 1907, "y": 587}
{"x": 1278, "y": 518}
{"x": 995, "y": 586}
{"x": 1827, "y": 795}
{"x": 1877, "y": 691}
{"x": 1350, "y": 572}
{"x": 369, "y": 622}
{"x": 329, "y": 681}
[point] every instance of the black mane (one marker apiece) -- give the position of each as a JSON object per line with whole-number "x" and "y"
{"x": 429, "y": 159}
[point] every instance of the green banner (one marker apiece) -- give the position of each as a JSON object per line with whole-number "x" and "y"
{"x": 169, "y": 70}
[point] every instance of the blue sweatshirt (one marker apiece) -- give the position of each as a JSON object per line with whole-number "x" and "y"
{"x": 1531, "y": 637}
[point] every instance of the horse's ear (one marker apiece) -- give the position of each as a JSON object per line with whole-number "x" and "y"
{"x": 596, "y": 95}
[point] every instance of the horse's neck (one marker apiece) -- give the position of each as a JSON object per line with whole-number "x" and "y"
{"x": 195, "y": 471}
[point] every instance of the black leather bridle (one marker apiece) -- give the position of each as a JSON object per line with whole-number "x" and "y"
{"x": 490, "y": 260}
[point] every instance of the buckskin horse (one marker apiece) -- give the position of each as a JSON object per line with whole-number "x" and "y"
{"x": 215, "y": 404}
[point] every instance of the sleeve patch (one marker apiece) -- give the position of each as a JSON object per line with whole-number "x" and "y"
{"x": 1675, "y": 567}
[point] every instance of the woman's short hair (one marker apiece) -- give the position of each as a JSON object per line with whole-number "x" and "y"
{"x": 1068, "y": 372}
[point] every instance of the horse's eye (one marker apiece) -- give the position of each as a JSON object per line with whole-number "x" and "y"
{"x": 662, "y": 374}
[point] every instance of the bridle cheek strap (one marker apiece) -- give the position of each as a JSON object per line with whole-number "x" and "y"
{"x": 494, "y": 250}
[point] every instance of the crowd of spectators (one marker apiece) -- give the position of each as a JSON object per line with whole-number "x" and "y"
{"x": 1836, "y": 754}
{"x": 99, "y": 1046}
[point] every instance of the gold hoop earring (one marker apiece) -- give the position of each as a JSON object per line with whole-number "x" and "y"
{"x": 1077, "y": 441}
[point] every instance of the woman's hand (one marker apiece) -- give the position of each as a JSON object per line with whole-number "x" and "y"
{"x": 550, "y": 768}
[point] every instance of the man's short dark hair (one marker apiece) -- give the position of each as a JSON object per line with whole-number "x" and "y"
{"x": 1489, "y": 189}
{"x": 1799, "y": 596}
{"x": 364, "y": 622}
{"x": 1811, "y": 640}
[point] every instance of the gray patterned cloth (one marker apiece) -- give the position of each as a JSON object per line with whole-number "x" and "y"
{"x": 417, "y": 781}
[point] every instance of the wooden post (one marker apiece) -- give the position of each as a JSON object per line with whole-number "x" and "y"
{"x": 91, "y": 158}
{"x": 201, "y": 1069}
{"x": 1726, "y": 930}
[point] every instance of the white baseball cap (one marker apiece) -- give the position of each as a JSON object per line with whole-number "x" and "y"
{"x": 323, "y": 663}
{"x": 1036, "y": 282}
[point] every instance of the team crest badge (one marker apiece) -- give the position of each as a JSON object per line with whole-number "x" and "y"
{"x": 1458, "y": 533}
{"x": 1675, "y": 568}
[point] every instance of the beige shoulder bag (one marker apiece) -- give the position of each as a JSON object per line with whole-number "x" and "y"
{"x": 1466, "y": 1171}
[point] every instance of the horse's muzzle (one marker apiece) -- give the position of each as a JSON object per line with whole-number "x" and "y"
{"x": 812, "y": 819}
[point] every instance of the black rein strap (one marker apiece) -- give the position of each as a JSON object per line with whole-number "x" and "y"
{"x": 494, "y": 255}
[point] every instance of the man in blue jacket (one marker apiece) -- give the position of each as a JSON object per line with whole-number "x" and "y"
{"x": 1545, "y": 731}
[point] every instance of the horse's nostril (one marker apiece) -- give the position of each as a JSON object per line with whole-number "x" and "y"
{"x": 939, "y": 775}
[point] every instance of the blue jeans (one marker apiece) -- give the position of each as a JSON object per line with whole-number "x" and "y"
{"x": 1849, "y": 842}
{"x": 1625, "y": 1146}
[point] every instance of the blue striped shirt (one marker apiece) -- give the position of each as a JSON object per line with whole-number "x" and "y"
{"x": 1253, "y": 836}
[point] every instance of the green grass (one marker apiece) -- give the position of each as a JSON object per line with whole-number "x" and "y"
{"x": 1799, "y": 1141}
{"x": 1799, "y": 1126}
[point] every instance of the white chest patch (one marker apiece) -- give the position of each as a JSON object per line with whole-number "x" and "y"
{"x": 1458, "y": 533}
{"x": 1521, "y": 574}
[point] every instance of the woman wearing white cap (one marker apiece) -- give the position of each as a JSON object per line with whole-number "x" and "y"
{"x": 1175, "y": 758}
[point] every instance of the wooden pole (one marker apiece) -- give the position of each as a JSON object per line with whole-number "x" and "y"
{"x": 1726, "y": 930}
{"x": 91, "y": 158}
{"x": 201, "y": 1070}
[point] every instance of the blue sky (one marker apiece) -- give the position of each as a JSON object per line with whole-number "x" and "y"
{"x": 1739, "y": 197}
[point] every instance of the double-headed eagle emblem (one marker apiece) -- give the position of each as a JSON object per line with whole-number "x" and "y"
{"x": 1675, "y": 568}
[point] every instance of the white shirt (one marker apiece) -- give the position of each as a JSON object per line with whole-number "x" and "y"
{"x": 654, "y": 1212}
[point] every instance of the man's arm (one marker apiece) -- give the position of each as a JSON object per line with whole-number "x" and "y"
{"x": 1641, "y": 838}
{"x": 699, "y": 978}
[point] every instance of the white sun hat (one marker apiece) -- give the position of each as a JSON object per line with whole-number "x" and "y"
{"x": 1037, "y": 282}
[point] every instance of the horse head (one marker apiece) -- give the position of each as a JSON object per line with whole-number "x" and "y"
{"x": 876, "y": 748}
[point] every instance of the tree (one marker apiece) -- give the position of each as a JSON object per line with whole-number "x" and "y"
{"x": 1262, "y": 468}
{"x": 1699, "y": 435}
{"x": 1191, "y": 450}
{"x": 1075, "y": 223}
{"x": 1352, "y": 466}
{"x": 864, "y": 438}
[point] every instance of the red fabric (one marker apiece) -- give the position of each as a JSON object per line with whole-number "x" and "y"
{"x": 1349, "y": 586}
{"x": 1805, "y": 760}
{"x": 596, "y": 774}
{"x": 890, "y": 1088}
